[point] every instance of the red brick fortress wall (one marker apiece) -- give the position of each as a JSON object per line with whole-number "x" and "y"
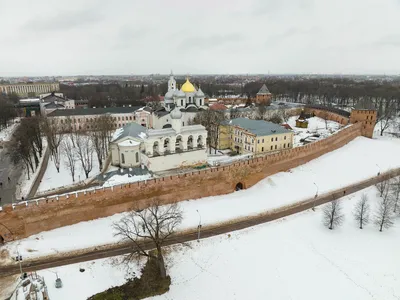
{"x": 27, "y": 218}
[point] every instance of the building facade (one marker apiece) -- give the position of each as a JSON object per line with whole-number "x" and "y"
{"x": 254, "y": 136}
{"x": 29, "y": 89}
{"x": 159, "y": 149}
{"x": 84, "y": 119}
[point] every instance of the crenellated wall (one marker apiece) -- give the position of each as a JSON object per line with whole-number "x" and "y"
{"x": 27, "y": 218}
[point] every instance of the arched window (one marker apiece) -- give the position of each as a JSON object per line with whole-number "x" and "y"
{"x": 137, "y": 156}
{"x": 122, "y": 158}
{"x": 155, "y": 148}
{"x": 200, "y": 142}
{"x": 178, "y": 144}
{"x": 190, "y": 142}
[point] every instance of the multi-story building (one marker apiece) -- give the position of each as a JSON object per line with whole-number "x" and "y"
{"x": 83, "y": 119}
{"x": 29, "y": 89}
{"x": 253, "y": 136}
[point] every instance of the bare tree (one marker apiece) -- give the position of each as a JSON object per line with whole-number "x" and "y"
{"x": 84, "y": 151}
{"x": 211, "y": 120}
{"x": 386, "y": 112}
{"x": 261, "y": 110}
{"x": 53, "y": 130}
{"x": 325, "y": 116}
{"x": 382, "y": 187}
{"x": 234, "y": 113}
{"x": 395, "y": 190}
{"x": 384, "y": 214}
{"x": 361, "y": 211}
{"x": 284, "y": 114}
{"x": 333, "y": 215}
{"x": 154, "y": 224}
{"x": 101, "y": 137}
{"x": 70, "y": 154}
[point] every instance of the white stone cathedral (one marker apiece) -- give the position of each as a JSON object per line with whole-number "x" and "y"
{"x": 185, "y": 97}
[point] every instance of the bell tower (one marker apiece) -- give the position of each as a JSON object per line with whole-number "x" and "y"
{"x": 171, "y": 82}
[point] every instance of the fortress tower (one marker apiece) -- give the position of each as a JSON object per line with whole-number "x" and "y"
{"x": 365, "y": 113}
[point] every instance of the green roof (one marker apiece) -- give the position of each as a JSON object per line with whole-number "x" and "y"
{"x": 258, "y": 127}
{"x": 93, "y": 111}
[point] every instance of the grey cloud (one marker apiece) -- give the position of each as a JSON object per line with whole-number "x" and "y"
{"x": 388, "y": 40}
{"x": 273, "y": 7}
{"x": 63, "y": 21}
{"x": 216, "y": 40}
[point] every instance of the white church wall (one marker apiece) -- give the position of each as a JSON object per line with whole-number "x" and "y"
{"x": 175, "y": 161}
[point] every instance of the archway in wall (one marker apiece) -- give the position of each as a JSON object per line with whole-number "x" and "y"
{"x": 190, "y": 142}
{"x": 239, "y": 186}
{"x": 178, "y": 144}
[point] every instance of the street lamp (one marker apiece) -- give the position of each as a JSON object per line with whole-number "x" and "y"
{"x": 198, "y": 227}
{"x": 19, "y": 259}
{"x": 379, "y": 169}
{"x": 315, "y": 197}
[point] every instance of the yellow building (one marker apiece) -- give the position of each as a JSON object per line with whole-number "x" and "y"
{"x": 29, "y": 89}
{"x": 254, "y": 136}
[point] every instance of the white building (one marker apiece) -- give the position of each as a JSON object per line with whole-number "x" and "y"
{"x": 160, "y": 149}
{"x": 29, "y": 89}
{"x": 51, "y": 102}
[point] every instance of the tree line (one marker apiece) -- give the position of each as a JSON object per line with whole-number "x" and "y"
{"x": 63, "y": 140}
{"x": 383, "y": 216}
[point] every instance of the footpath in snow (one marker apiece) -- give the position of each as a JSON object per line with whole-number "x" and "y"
{"x": 291, "y": 258}
{"x": 360, "y": 159}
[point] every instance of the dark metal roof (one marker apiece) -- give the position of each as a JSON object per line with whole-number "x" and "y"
{"x": 93, "y": 111}
{"x": 53, "y": 105}
{"x": 331, "y": 109}
{"x": 264, "y": 90}
{"x": 257, "y": 127}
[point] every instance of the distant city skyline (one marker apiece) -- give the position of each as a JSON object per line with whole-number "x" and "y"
{"x": 98, "y": 37}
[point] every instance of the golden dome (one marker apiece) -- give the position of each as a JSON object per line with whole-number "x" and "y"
{"x": 187, "y": 87}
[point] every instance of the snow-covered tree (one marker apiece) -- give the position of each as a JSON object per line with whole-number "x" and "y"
{"x": 332, "y": 214}
{"x": 384, "y": 214}
{"x": 361, "y": 211}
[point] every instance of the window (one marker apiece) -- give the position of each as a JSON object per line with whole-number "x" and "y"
{"x": 284, "y": 137}
{"x": 284, "y": 145}
{"x": 137, "y": 156}
{"x": 200, "y": 102}
{"x": 276, "y": 139}
{"x": 276, "y": 146}
{"x": 263, "y": 141}
{"x": 119, "y": 119}
{"x": 272, "y": 147}
{"x": 130, "y": 118}
{"x": 252, "y": 148}
{"x": 181, "y": 102}
{"x": 235, "y": 139}
{"x": 258, "y": 141}
{"x": 134, "y": 118}
{"x": 272, "y": 139}
{"x": 262, "y": 149}
{"x": 288, "y": 145}
{"x": 183, "y": 123}
{"x": 245, "y": 147}
{"x": 122, "y": 158}
{"x": 252, "y": 141}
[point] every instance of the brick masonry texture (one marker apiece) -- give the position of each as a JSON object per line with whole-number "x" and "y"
{"x": 27, "y": 218}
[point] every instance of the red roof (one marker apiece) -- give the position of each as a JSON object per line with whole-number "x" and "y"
{"x": 287, "y": 126}
{"x": 218, "y": 106}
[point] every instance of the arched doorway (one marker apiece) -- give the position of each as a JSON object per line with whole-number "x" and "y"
{"x": 239, "y": 186}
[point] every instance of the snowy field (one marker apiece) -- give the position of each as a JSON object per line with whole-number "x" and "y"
{"x": 291, "y": 258}
{"x": 315, "y": 125}
{"x": 331, "y": 171}
{"x": 6, "y": 133}
{"x": 53, "y": 179}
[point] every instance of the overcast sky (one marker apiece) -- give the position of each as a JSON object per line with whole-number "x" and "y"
{"x": 46, "y": 37}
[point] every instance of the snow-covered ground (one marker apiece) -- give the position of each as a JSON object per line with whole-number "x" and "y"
{"x": 121, "y": 179}
{"x": 291, "y": 258}
{"x": 6, "y": 133}
{"x": 53, "y": 179}
{"x": 315, "y": 126}
{"x": 329, "y": 172}
{"x": 226, "y": 159}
